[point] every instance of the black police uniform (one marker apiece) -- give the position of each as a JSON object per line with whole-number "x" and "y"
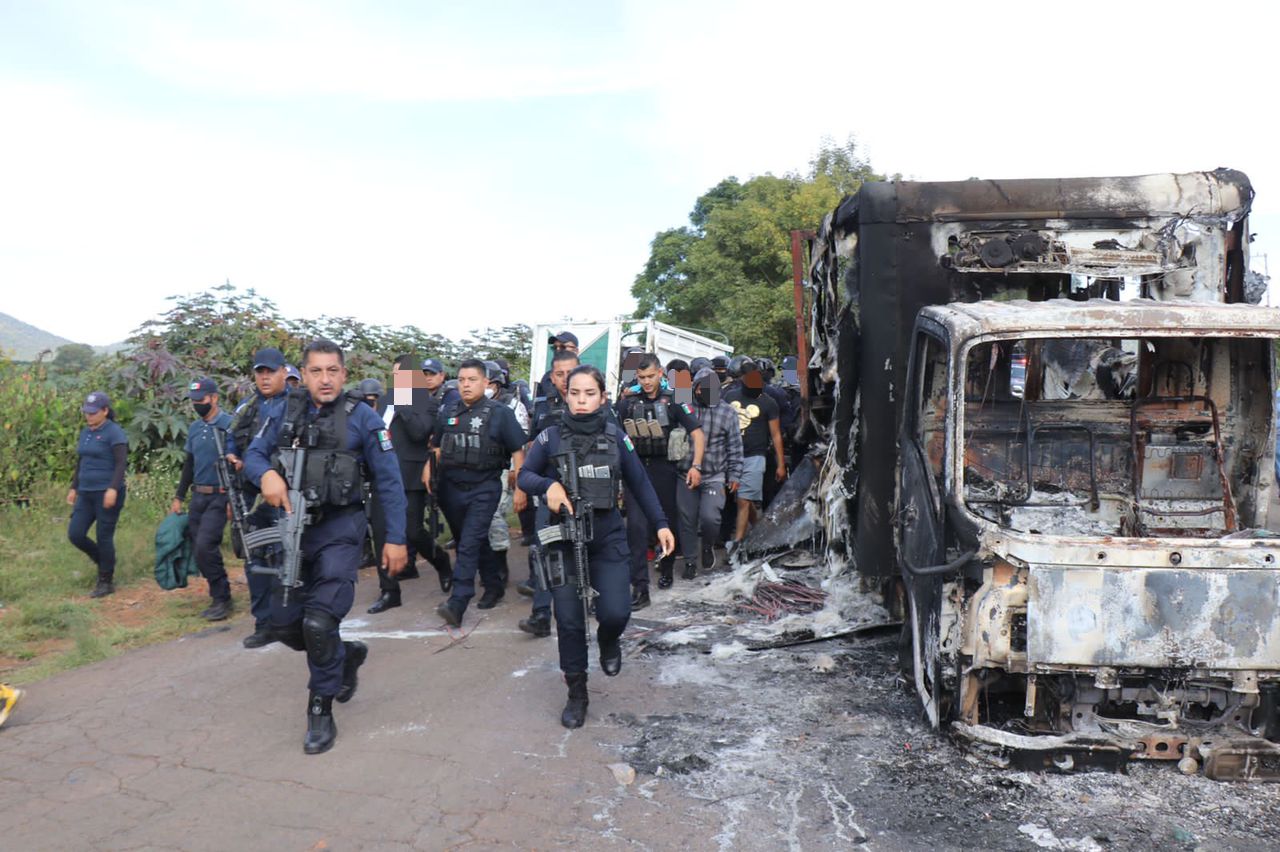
{"x": 601, "y": 446}
{"x": 641, "y": 416}
{"x": 207, "y": 512}
{"x": 249, "y": 420}
{"x": 411, "y": 428}
{"x": 346, "y": 441}
{"x": 476, "y": 444}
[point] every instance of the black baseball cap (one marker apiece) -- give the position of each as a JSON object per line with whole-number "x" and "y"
{"x": 563, "y": 337}
{"x": 201, "y": 388}
{"x": 95, "y": 402}
{"x": 271, "y": 358}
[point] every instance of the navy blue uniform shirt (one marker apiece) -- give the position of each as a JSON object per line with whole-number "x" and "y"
{"x": 540, "y": 470}
{"x": 363, "y": 426}
{"x": 270, "y": 408}
{"x": 204, "y": 450}
{"x": 97, "y": 460}
{"x": 678, "y": 414}
{"x": 503, "y": 428}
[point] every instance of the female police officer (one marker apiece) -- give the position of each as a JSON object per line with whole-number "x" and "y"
{"x": 602, "y": 455}
{"x": 97, "y": 488}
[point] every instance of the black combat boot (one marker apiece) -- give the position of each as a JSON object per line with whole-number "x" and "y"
{"x": 665, "y": 571}
{"x": 537, "y": 624}
{"x": 640, "y": 598}
{"x": 103, "y": 588}
{"x": 450, "y": 612}
{"x": 261, "y": 636}
{"x": 610, "y": 657}
{"x": 439, "y": 560}
{"x": 490, "y": 598}
{"x": 357, "y": 652}
{"x": 690, "y": 570}
{"x": 504, "y": 572}
{"x": 321, "y": 732}
{"x": 389, "y": 599}
{"x": 575, "y": 709}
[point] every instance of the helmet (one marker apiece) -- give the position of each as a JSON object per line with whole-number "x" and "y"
{"x": 720, "y": 363}
{"x": 741, "y": 365}
{"x": 699, "y": 364}
{"x": 494, "y": 373}
{"x": 767, "y": 369}
{"x": 370, "y": 387}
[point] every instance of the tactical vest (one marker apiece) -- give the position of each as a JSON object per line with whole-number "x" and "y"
{"x": 550, "y": 415}
{"x": 334, "y": 475}
{"x": 648, "y": 422}
{"x": 599, "y": 466}
{"x": 466, "y": 442}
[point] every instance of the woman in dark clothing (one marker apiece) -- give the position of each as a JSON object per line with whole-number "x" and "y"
{"x": 97, "y": 488}
{"x": 604, "y": 456}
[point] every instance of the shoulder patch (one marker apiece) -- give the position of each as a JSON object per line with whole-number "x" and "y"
{"x": 544, "y": 436}
{"x": 384, "y": 440}
{"x": 626, "y": 441}
{"x": 684, "y": 406}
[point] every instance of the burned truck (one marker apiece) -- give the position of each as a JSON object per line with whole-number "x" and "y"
{"x": 1047, "y": 408}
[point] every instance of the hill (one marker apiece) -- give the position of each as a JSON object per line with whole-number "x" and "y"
{"x": 24, "y": 342}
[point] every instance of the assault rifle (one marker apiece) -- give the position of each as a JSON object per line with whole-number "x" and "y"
{"x": 288, "y": 529}
{"x": 230, "y": 483}
{"x": 433, "y": 503}
{"x": 577, "y": 530}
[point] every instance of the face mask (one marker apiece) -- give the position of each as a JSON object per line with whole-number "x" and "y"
{"x": 703, "y": 396}
{"x": 202, "y": 408}
{"x": 488, "y": 393}
{"x": 750, "y": 392}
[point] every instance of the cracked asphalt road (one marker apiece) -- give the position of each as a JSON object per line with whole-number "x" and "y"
{"x": 196, "y": 744}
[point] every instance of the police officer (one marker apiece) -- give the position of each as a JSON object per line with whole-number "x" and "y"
{"x": 266, "y": 404}
{"x": 207, "y": 515}
{"x": 547, "y": 411}
{"x": 370, "y": 391}
{"x": 292, "y": 377}
{"x": 609, "y": 456}
{"x": 409, "y": 413}
{"x": 561, "y": 341}
{"x": 441, "y": 393}
{"x": 649, "y": 414}
{"x": 475, "y": 440}
{"x": 344, "y": 440}
{"x": 97, "y": 488}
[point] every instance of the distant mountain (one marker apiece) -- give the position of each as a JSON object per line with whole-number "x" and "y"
{"x": 23, "y": 342}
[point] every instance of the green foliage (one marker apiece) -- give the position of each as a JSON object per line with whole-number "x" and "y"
{"x": 38, "y": 427}
{"x": 730, "y": 270}
{"x": 72, "y": 358}
{"x": 510, "y": 342}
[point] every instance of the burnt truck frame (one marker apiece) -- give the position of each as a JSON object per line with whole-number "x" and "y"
{"x": 1079, "y": 560}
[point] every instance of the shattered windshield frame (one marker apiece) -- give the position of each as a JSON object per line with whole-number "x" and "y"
{"x": 1154, "y": 435}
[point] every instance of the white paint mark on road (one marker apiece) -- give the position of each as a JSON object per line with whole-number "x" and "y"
{"x": 348, "y": 633}
{"x": 1046, "y": 839}
{"x": 519, "y": 672}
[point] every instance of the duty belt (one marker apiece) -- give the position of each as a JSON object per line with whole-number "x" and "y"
{"x": 208, "y": 489}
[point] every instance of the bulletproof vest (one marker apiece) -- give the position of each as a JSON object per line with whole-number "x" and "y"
{"x": 334, "y": 475}
{"x": 245, "y": 425}
{"x": 550, "y": 414}
{"x": 465, "y": 441}
{"x": 505, "y": 396}
{"x": 648, "y": 423}
{"x": 599, "y": 466}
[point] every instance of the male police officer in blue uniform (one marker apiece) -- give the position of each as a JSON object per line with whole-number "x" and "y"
{"x": 344, "y": 440}
{"x": 648, "y": 414}
{"x": 266, "y": 404}
{"x": 207, "y": 516}
{"x": 474, "y": 440}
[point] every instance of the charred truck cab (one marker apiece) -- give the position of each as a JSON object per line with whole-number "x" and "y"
{"x": 1063, "y": 398}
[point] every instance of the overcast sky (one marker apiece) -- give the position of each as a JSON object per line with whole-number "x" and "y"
{"x": 456, "y": 165}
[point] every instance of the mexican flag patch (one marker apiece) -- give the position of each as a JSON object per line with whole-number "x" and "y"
{"x": 626, "y": 440}
{"x": 686, "y": 408}
{"x": 452, "y": 421}
{"x": 384, "y": 440}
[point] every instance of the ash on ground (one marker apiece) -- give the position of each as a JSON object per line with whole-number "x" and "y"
{"x": 820, "y": 745}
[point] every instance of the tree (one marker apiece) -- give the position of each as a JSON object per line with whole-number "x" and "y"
{"x": 72, "y": 358}
{"x": 730, "y": 269}
{"x": 512, "y": 343}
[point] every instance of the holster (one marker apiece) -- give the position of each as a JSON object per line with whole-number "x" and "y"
{"x": 549, "y": 567}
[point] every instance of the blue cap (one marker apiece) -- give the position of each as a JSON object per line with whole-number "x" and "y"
{"x": 291, "y": 372}
{"x": 431, "y": 365}
{"x": 201, "y": 388}
{"x": 271, "y": 358}
{"x": 95, "y": 402}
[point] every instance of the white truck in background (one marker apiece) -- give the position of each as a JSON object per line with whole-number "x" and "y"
{"x": 602, "y": 345}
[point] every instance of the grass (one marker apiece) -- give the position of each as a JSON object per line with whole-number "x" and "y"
{"x": 47, "y": 621}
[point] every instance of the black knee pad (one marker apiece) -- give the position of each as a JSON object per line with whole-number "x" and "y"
{"x": 320, "y": 632}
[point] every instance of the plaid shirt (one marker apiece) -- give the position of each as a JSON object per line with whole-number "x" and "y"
{"x": 723, "y": 455}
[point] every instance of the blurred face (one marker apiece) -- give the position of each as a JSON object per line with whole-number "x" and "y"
{"x": 560, "y": 371}
{"x": 471, "y": 384}
{"x": 402, "y": 378}
{"x": 584, "y": 395}
{"x": 565, "y": 347}
{"x": 324, "y": 376}
{"x": 269, "y": 382}
{"x": 650, "y": 378}
{"x": 291, "y": 381}
{"x": 97, "y": 418}
{"x": 432, "y": 381}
